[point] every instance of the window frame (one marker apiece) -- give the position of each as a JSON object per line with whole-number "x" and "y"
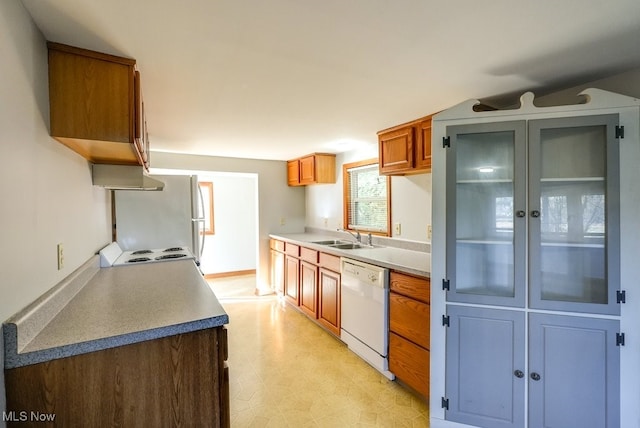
{"x": 346, "y": 196}
{"x": 206, "y": 187}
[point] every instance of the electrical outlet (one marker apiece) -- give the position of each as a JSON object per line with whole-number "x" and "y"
{"x": 282, "y": 221}
{"x": 398, "y": 229}
{"x": 429, "y": 232}
{"x": 60, "y": 256}
{"x": 326, "y": 222}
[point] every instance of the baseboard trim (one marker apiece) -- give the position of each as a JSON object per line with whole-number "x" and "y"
{"x": 230, "y": 274}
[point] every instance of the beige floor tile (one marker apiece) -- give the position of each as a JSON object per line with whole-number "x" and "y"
{"x": 286, "y": 371}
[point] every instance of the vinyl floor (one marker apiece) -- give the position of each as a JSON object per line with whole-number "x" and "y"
{"x": 286, "y": 371}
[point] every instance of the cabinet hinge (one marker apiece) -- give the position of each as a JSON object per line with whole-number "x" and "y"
{"x": 619, "y": 131}
{"x": 445, "y": 320}
{"x": 446, "y": 142}
{"x": 445, "y": 403}
{"x": 445, "y": 285}
{"x": 621, "y": 296}
{"x": 619, "y": 339}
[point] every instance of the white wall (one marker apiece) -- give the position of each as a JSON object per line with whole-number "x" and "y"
{"x": 280, "y": 207}
{"x": 233, "y": 246}
{"x": 45, "y": 188}
{"x": 410, "y": 200}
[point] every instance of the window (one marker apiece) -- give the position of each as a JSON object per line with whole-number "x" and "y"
{"x": 206, "y": 189}
{"x": 366, "y": 198}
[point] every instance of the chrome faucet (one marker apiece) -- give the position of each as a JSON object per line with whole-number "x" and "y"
{"x": 357, "y": 235}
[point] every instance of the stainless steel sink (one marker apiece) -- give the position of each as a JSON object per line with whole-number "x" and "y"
{"x": 330, "y": 242}
{"x": 348, "y": 246}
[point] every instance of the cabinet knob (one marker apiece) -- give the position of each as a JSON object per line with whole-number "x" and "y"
{"x": 520, "y": 213}
{"x": 519, "y": 374}
{"x": 535, "y": 213}
{"x": 535, "y": 376}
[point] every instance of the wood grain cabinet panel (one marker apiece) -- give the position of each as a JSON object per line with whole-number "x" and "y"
{"x": 410, "y": 363}
{"x": 405, "y": 149}
{"x": 309, "y": 289}
{"x": 316, "y": 168}
{"x": 396, "y": 150}
{"x": 329, "y": 300}
{"x": 410, "y": 329}
{"x": 180, "y": 380}
{"x": 410, "y": 319}
{"x": 411, "y": 286}
{"x": 96, "y": 106}
{"x": 292, "y": 279}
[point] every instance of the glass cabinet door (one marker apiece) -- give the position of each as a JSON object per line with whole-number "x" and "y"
{"x": 573, "y": 214}
{"x": 486, "y": 201}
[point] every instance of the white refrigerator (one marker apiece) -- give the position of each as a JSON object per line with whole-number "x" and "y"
{"x": 168, "y": 218}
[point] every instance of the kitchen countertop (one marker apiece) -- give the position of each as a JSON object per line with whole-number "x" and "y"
{"x": 407, "y": 261}
{"x": 117, "y": 306}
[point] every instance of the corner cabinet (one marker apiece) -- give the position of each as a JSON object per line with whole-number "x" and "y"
{"x": 317, "y": 168}
{"x": 96, "y": 105}
{"x": 405, "y": 149}
{"x": 533, "y": 303}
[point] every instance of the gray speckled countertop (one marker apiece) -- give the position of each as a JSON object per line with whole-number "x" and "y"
{"x": 119, "y": 306}
{"x": 407, "y": 261}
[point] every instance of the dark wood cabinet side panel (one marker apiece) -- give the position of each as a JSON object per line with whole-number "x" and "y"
{"x": 173, "y": 381}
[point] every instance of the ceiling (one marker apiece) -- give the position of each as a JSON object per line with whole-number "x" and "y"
{"x": 282, "y": 78}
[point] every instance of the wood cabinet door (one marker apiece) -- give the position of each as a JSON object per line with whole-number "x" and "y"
{"x": 396, "y": 150}
{"x": 293, "y": 173}
{"x": 292, "y": 279}
{"x": 411, "y": 286}
{"x": 329, "y": 300}
{"x": 410, "y": 363}
{"x": 410, "y": 319}
{"x": 423, "y": 145}
{"x": 308, "y": 288}
{"x": 307, "y": 170}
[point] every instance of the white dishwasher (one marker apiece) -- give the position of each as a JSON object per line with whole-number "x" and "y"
{"x": 364, "y": 314}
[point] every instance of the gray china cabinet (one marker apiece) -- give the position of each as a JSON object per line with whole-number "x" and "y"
{"x": 527, "y": 244}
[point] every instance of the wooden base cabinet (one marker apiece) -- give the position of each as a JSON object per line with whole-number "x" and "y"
{"x": 180, "y": 380}
{"x": 312, "y": 284}
{"x": 410, "y": 326}
{"x": 329, "y": 300}
{"x": 309, "y": 288}
{"x": 277, "y": 266}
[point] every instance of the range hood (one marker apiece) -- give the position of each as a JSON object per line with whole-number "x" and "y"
{"x": 124, "y": 177}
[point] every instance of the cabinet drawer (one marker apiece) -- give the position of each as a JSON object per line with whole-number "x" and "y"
{"x": 411, "y": 286}
{"x": 410, "y": 319}
{"x": 309, "y": 255}
{"x": 277, "y": 245}
{"x": 330, "y": 262}
{"x": 410, "y": 363}
{"x": 292, "y": 249}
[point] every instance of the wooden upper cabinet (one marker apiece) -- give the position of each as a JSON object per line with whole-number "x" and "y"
{"x": 316, "y": 168}
{"x": 293, "y": 173}
{"x": 423, "y": 145}
{"x": 96, "y": 105}
{"x": 405, "y": 149}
